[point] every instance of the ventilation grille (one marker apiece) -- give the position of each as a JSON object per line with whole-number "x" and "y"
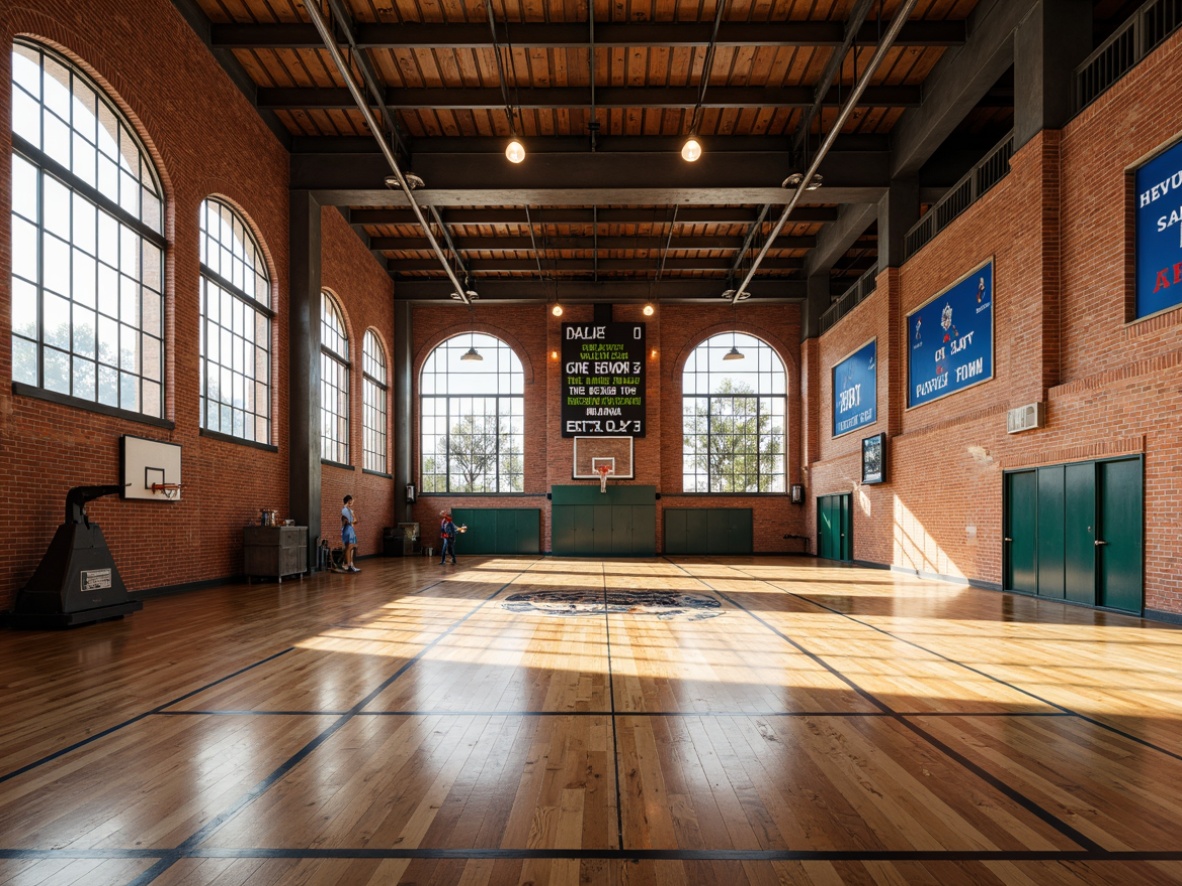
{"x": 1024, "y": 418}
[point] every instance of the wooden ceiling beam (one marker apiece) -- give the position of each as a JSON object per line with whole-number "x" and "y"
{"x": 550, "y": 244}
{"x": 686, "y": 215}
{"x": 583, "y": 265}
{"x": 574, "y": 35}
{"x": 661, "y": 97}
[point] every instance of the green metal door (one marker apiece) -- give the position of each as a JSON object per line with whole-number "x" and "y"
{"x": 1079, "y": 568}
{"x": 826, "y": 531}
{"x": 1021, "y": 506}
{"x": 1050, "y": 545}
{"x": 834, "y": 527}
{"x": 1119, "y": 535}
{"x": 846, "y": 504}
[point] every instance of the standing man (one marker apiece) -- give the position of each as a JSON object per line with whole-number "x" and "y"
{"x": 447, "y": 537}
{"x": 348, "y": 533}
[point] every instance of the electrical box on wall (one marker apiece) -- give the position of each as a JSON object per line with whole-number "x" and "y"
{"x": 1024, "y": 418}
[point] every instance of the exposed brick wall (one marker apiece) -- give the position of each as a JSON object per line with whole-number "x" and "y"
{"x": 1059, "y": 232}
{"x": 365, "y": 293}
{"x": 535, "y": 336}
{"x": 206, "y": 140}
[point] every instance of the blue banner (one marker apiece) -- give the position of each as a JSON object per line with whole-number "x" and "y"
{"x": 950, "y": 339}
{"x": 855, "y": 390}
{"x": 1159, "y": 232}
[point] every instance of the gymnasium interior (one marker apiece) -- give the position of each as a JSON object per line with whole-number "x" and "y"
{"x": 757, "y": 422}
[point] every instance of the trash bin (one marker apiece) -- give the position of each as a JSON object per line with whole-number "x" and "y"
{"x": 391, "y": 542}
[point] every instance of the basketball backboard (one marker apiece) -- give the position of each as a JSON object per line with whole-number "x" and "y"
{"x": 593, "y": 452}
{"x": 146, "y": 463}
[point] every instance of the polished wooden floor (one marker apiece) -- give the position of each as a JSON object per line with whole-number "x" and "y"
{"x": 410, "y": 724}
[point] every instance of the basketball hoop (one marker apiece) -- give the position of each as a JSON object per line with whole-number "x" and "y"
{"x": 170, "y": 490}
{"x": 604, "y": 472}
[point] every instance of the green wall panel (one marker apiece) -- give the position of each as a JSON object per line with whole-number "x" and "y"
{"x": 708, "y": 531}
{"x": 618, "y": 523}
{"x": 498, "y": 530}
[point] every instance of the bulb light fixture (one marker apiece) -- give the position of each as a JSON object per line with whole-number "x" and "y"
{"x": 515, "y": 150}
{"x": 691, "y": 150}
{"x": 649, "y": 310}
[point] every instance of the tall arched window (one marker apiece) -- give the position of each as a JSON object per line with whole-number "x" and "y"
{"x": 235, "y": 327}
{"x": 87, "y": 242}
{"x": 734, "y": 409}
{"x": 334, "y": 383}
{"x": 373, "y": 399}
{"x": 473, "y": 417}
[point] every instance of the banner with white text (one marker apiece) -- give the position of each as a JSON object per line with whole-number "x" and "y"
{"x": 1159, "y": 232}
{"x": 855, "y": 390}
{"x": 950, "y": 339}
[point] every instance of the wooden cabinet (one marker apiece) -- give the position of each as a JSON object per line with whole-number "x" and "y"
{"x": 275, "y": 551}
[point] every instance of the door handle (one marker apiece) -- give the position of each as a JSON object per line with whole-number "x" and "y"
{"x": 1098, "y": 542}
{"x": 1007, "y": 538}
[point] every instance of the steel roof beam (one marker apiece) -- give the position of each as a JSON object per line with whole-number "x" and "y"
{"x": 616, "y": 291}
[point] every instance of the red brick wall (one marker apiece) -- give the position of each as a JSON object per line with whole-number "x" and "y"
{"x": 199, "y": 129}
{"x": 1059, "y": 233}
{"x": 364, "y": 292}
{"x": 206, "y": 140}
{"x": 535, "y": 336}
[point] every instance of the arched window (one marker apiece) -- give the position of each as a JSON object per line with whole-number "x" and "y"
{"x": 734, "y": 409}
{"x": 235, "y": 327}
{"x": 87, "y": 242}
{"x": 334, "y": 383}
{"x": 373, "y": 399}
{"x": 473, "y": 417}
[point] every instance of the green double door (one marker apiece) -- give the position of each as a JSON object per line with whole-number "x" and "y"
{"x": 835, "y": 527}
{"x": 1074, "y": 532}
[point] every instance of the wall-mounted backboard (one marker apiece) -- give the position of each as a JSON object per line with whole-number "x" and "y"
{"x": 590, "y": 452}
{"x": 147, "y": 463}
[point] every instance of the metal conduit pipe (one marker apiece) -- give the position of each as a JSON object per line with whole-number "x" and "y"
{"x": 334, "y": 51}
{"x": 901, "y": 16}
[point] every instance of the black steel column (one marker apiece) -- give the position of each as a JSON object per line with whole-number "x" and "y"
{"x": 304, "y": 355}
{"x": 817, "y": 303}
{"x": 898, "y": 211}
{"x": 1048, "y": 44}
{"x": 401, "y": 377}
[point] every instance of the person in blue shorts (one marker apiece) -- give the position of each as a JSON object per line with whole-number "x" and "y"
{"x": 447, "y": 537}
{"x": 348, "y": 533}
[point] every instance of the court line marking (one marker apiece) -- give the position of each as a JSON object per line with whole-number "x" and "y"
{"x": 989, "y": 778}
{"x": 1063, "y": 709}
{"x": 186, "y": 847}
{"x": 157, "y": 710}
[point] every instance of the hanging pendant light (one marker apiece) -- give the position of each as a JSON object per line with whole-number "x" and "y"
{"x": 472, "y": 355}
{"x": 515, "y": 151}
{"x": 734, "y": 353}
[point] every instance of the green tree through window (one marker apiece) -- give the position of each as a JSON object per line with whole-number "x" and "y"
{"x": 472, "y": 418}
{"x": 734, "y": 417}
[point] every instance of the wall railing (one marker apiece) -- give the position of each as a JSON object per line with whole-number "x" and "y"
{"x": 1116, "y": 56}
{"x": 983, "y": 176}
{"x": 845, "y": 302}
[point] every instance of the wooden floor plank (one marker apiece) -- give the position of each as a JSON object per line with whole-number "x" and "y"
{"x": 835, "y": 710}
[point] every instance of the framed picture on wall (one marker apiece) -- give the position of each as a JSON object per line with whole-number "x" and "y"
{"x": 874, "y": 459}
